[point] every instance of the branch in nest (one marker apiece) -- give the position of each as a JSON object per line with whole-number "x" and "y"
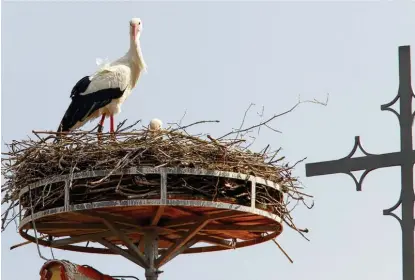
{"x": 265, "y": 123}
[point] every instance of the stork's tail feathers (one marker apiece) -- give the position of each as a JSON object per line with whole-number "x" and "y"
{"x": 69, "y": 119}
{"x": 64, "y": 126}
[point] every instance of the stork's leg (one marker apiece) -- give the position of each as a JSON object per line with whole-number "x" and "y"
{"x": 101, "y": 123}
{"x": 100, "y": 127}
{"x": 112, "y": 127}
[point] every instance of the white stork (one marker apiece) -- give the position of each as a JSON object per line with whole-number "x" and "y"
{"x": 103, "y": 93}
{"x": 155, "y": 124}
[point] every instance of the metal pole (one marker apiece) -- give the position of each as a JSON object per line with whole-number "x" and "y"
{"x": 407, "y": 176}
{"x": 151, "y": 253}
{"x": 406, "y": 224}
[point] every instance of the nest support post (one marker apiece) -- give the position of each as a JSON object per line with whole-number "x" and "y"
{"x": 151, "y": 254}
{"x": 153, "y": 258}
{"x": 148, "y": 260}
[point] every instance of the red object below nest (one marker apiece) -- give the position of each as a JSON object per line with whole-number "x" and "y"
{"x": 64, "y": 270}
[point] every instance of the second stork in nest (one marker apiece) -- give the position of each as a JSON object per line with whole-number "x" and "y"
{"x": 103, "y": 93}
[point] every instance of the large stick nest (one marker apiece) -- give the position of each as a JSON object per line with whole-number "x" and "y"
{"x": 29, "y": 161}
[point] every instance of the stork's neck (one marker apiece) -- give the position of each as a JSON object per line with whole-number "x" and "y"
{"x": 136, "y": 54}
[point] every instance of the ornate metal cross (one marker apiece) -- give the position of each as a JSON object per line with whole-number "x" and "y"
{"x": 405, "y": 158}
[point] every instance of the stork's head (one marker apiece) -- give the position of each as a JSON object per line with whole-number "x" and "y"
{"x": 135, "y": 28}
{"x": 155, "y": 124}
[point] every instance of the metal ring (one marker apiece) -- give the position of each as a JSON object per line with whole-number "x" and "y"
{"x": 148, "y": 202}
{"x": 150, "y": 170}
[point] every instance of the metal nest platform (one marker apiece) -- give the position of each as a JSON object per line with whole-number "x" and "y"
{"x": 152, "y": 231}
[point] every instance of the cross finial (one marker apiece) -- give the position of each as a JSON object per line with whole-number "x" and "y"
{"x": 405, "y": 158}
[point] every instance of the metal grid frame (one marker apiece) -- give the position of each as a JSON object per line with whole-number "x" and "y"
{"x": 152, "y": 258}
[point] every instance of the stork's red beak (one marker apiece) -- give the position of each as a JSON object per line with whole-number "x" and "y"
{"x": 134, "y": 31}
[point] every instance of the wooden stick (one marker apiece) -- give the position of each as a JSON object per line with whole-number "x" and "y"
{"x": 282, "y": 250}
{"x": 27, "y": 242}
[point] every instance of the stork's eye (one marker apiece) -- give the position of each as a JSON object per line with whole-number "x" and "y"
{"x": 139, "y": 23}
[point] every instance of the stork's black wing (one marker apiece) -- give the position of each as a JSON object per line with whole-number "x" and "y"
{"x": 82, "y": 106}
{"x": 80, "y": 86}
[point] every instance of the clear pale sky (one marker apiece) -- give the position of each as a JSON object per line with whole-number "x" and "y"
{"x": 213, "y": 59}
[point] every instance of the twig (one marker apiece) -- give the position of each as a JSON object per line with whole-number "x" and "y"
{"x": 275, "y": 116}
{"x": 243, "y": 120}
{"x": 282, "y": 250}
{"x": 26, "y": 242}
{"x": 192, "y": 124}
{"x": 180, "y": 122}
{"x": 34, "y": 226}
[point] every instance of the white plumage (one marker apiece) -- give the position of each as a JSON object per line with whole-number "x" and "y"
{"x": 113, "y": 76}
{"x": 155, "y": 124}
{"x": 102, "y": 93}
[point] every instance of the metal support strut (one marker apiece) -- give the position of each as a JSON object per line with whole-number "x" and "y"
{"x": 151, "y": 254}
